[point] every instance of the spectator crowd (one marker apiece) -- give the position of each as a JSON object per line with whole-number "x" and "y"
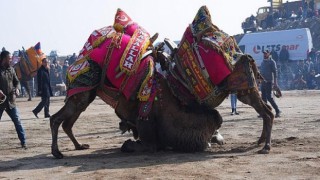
{"x": 58, "y": 72}
{"x": 303, "y": 74}
{"x": 306, "y": 10}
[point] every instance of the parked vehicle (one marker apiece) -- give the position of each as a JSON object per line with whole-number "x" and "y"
{"x": 265, "y": 15}
{"x": 297, "y": 41}
{"x": 249, "y": 25}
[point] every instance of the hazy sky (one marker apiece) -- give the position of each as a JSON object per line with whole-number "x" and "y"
{"x": 65, "y": 25}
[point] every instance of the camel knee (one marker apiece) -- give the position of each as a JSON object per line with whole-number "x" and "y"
{"x": 66, "y": 126}
{"x": 55, "y": 122}
{"x": 82, "y": 106}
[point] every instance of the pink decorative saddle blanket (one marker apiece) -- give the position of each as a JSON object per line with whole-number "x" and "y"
{"x": 119, "y": 48}
{"x": 204, "y": 58}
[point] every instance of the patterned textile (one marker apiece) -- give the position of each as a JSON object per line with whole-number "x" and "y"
{"x": 115, "y": 45}
{"x": 191, "y": 71}
{"x": 146, "y": 88}
{"x": 124, "y": 24}
{"x": 201, "y": 67}
{"x": 135, "y": 48}
{"x": 204, "y": 30}
{"x": 202, "y": 22}
{"x": 77, "y": 68}
{"x": 146, "y": 104}
{"x": 180, "y": 91}
{"x": 95, "y": 39}
{"x": 119, "y": 49}
{"x": 82, "y": 70}
{"x": 84, "y": 76}
{"x": 204, "y": 58}
{"x": 242, "y": 78}
{"x": 104, "y": 94}
{"x": 122, "y": 21}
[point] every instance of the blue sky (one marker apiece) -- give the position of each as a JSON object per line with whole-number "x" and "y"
{"x": 65, "y": 25}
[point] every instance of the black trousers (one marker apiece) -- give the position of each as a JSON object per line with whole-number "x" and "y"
{"x": 266, "y": 93}
{"x": 44, "y": 103}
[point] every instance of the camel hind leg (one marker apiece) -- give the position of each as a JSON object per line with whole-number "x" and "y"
{"x": 254, "y": 99}
{"x": 68, "y": 115}
{"x": 25, "y": 84}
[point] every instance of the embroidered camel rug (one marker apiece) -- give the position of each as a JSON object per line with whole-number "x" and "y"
{"x": 114, "y": 52}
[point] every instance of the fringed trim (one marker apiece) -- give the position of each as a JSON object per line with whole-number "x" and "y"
{"x": 146, "y": 86}
{"x": 100, "y": 40}
{"x": 107, "y": 99}
{"x": 215, "y": 98}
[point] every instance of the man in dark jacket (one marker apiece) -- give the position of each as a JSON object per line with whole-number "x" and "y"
{"x": 284, "y": 56}
{"x": 44, "y": 89}
{"x": 268, "y": 71}
{"x": 8, "y": 90}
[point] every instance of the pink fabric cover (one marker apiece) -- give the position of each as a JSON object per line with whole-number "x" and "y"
{"x": 98, "y": 44}
{"x": 95, "y": 36}
{"x": 214, "y": 62}
{"x": 98, "y": 55}
{"x": 134, "y": 81}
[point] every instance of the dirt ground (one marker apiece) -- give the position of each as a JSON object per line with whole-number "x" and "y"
{"x": 295, "y": 153}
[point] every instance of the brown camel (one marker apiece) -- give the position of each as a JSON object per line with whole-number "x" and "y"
{"x": 243, "y": 81}
{"x": 27, "y": 66}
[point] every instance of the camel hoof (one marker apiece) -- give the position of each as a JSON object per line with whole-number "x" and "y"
{"x": 261, "y": 140}
{"x": 128, "y": 146}
{"x": 265, "y": 150}
{"x": 57, "y": 154}
{"x": 82, "y": 147}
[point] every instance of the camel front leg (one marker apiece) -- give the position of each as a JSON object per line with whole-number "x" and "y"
{"x": 55, "y": 121}
{"x": 79, "y": 103}
{"x": 148, "y": 138}
{"x": 254, "y": 99}
{"x": 68, "y": 115}
{"x": 64, "y": 115}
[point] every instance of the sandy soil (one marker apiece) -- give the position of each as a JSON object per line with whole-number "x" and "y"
{"x": 295, "y": 153}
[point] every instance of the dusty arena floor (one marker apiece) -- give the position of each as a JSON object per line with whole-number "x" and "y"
{"x": 295, "y": 153}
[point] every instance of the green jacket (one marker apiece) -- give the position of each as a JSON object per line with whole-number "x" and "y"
{"x": 9, "y": 82}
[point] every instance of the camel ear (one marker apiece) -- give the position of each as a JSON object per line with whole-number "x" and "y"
{"x": 121, "y": 20}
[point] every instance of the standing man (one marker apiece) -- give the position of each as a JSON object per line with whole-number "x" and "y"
{"x": 44, "y": 89}
{"x": 275, "y": 56}
{"x": 268, "y": 70}
{"x": 8, "y": 90}
{"x": 233, "y": 99}
{"x": 64, "y": 70}
{"x": 284, "y": 56}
